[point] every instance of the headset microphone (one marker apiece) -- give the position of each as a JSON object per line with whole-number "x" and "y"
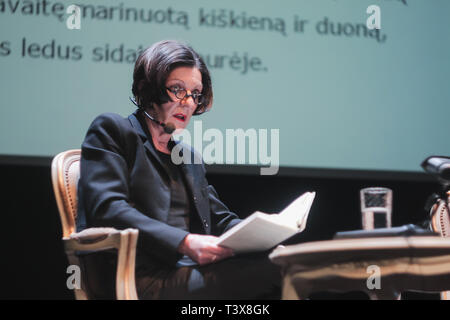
{"x": 168, "y": 127}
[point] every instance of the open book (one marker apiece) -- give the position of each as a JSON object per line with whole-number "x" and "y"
{"x": 262, "y": 231}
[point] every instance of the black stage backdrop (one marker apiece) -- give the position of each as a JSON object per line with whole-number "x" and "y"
{"x": 35, "y": 265}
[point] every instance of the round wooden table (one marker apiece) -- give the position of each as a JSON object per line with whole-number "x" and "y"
{"x": 381, "y": 267}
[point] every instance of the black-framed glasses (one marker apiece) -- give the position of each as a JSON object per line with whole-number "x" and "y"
{"x": 181, "y": 94}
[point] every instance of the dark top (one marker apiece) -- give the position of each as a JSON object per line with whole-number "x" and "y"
{"x": 180, "y": 204}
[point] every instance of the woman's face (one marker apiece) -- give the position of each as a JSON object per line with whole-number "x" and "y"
{"x": 179, "y": 111}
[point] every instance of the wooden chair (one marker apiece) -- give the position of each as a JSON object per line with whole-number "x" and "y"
{"x": 65, "y": 175}
{"x": 440, "y": 223}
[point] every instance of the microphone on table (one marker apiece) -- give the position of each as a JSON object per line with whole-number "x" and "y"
{"x": 168, "y": 127}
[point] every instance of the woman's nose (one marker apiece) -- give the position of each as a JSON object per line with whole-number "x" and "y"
{"x": 189, "y": 99}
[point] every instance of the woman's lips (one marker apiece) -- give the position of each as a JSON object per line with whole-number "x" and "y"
{"x": 179, "y": 116}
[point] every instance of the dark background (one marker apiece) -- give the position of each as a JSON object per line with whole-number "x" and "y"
{"x": 34, "y": 262}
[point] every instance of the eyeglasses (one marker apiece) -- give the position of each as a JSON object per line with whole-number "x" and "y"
{"x": 181, "y": 94}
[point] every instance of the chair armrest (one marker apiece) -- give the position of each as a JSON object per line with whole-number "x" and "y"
{"x": 99, "y": 239}
{"x": 93, "y": 239}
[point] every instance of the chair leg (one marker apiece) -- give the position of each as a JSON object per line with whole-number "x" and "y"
{"x": 121, "y": 266}
{"x": 80, "y": 294}
{"x": 125, "y": 279}
{"x": 131, "y": 280}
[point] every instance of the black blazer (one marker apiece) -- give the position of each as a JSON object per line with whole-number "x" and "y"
{"x": 123, "y": 184}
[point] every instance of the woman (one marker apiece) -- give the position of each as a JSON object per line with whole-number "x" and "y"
{"x": 128, "y": 180}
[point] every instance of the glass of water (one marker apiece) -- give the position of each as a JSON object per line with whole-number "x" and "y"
{"x": 376, "y": 208}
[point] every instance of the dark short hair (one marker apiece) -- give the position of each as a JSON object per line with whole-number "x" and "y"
{"x": 153, "y": 67}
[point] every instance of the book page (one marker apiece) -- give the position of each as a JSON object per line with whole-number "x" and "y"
{"x": 297, "y": 212}
{"x": 261, "y": 231}
{"x": 255, "y": 234}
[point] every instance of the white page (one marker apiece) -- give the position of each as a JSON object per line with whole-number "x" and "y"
{"x": 261, "y": 231}
{"x": 297, "y": 212}
{"x": 260, "y": 234}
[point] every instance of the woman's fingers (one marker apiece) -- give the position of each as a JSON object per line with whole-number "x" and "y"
{"x": 211, "y": 254}
{"x": 204, "y": 249}
{"x": 213, "y": 248}
{"x": 227, "y": 252}
{"x": 221, "y": 253}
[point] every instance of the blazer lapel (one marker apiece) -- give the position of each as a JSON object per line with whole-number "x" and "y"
{"x": 141, "y": 128}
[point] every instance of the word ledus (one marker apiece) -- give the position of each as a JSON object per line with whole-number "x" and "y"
{"x": 51, "y": 50}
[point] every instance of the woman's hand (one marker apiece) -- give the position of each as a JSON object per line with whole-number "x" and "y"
{"x": 203, "y": 249}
